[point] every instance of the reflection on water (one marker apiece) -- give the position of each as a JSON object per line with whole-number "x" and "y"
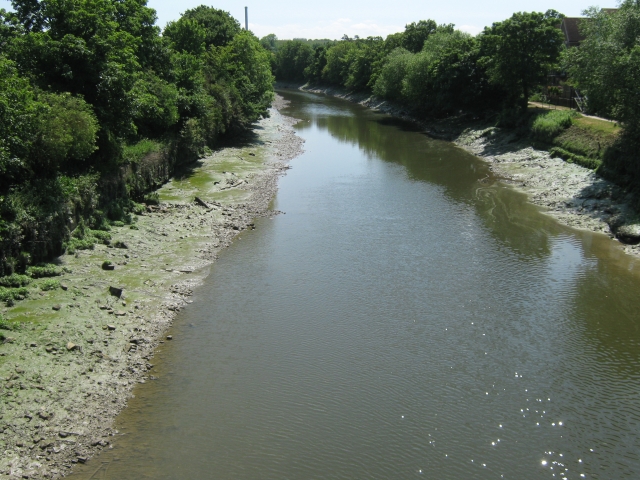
{"x": 408, "y": 316}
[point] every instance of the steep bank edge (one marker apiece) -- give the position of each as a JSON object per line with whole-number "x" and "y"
{"x": 71, "y": 368}
{"x": 574, "y": 195}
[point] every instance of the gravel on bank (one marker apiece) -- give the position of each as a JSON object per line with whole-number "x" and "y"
{"x": 572, "y": 194}
{"x": 70, "y": 368}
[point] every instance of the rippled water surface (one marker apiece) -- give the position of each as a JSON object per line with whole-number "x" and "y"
{"x": 408, "y": 316}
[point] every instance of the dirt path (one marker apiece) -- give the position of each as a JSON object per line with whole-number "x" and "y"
{"x": 69, "y": 370}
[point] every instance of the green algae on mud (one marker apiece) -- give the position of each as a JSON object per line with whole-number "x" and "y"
{"x": 70, "y": 367}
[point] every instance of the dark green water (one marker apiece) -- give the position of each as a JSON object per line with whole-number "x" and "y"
{"x": 404, "y": 319}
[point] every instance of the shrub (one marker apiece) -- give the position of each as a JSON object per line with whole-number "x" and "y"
{"x": 41, "y": 271}
{"x": 549, "y": 125}
{"x": 15, "y": 280}
{"x": 10, "y": 294}
{"x": 79, "y": 244}
{"x": 102, "y": 236}
{"x": 49, "y": 284}
{"x": 152, "y": 198}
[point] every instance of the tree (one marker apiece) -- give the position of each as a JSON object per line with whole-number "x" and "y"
{"x": 291, "y": 60}
{"x": 519, "y": 52}
{"x": 220, "y": 27}
{"x": 269, "y": 42}
{"x": 606, "y": 66}
{"x": 65, "y": 133}
{"x": 17, "y": 112}
{"x": 416, "y": 33}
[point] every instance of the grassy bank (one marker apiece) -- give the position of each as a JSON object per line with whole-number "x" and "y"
{"x": 571, "y": 136}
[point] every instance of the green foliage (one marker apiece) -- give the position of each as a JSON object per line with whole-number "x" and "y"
{"x": 351, "y": 62}
{"x": 590, "y": 163}
{"x": 152, "y": 198}
{"x": 548, "y": 125}
{"x": 519, "y": 52}
{"x": 186, "y": 36}
{"x": 136, "y": 152}
{"x": 313, "y": 71}
{"x": 219, "y": 26}
{"x": 444, "y": 75}
{"x": 75, "y": 244}
{"x": 86, "y": 85}
{"x": 606, "y": 67}
{"x": 268, "y": 42}
{"x": 9, "y": 325}
{"x": 155, "y": 105}
{"x": 390, "y": 81}
{"x": 291, "y": 60}
{"x": 45, "y": 270}
{"x": 15, "y": 280}
{"x": 10, "y": 294}
{"x": 17, "y": 112}
{"x": 49, "y": 284}
{"x": 415, "y": 34}
{"x": 65, "y": 132}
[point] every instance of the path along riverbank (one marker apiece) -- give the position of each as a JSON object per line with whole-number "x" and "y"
{"x": 70, "y": 367}
{"x": 574, "y": 195}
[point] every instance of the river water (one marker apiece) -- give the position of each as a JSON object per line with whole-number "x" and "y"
{"x": 408, "y": 316}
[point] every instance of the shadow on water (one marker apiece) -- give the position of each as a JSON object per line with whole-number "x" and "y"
{"x": 462, "y": 176}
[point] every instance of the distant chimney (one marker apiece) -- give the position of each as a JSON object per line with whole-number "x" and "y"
{"x": 246, "y": 18}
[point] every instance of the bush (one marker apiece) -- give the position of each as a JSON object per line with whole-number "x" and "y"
{"x": 42, "y": 271}
{"x": 79, "y": 244}
{"x": 548, "y": 125}
{"x": 15, "y": 280}
{"x": 49, "y": 284}
{"x": 102, "y": 236}
{"x": 10, "y": 294}
{"x": 152, "y": 198}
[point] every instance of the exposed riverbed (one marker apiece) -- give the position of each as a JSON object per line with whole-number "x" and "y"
{"x": 69, "y": 370}
{"x": 410, "y": 315}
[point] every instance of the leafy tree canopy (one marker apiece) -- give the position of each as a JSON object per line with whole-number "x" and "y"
{"x": 519, "y": 52}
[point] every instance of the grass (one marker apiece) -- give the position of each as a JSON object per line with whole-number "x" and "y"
{"x": 546, "y": 126}
{"x": 7, "y": 325}
{"x": 136, "y": 152}
{"x": 586, "y": 162}
{"x": 572, "y": 136}
{"x": 600, "y": 126}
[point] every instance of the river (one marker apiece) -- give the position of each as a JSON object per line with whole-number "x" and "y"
{"x": 406, "y": 316}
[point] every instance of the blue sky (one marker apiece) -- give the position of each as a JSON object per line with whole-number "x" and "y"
{"x": 333, "y": 18}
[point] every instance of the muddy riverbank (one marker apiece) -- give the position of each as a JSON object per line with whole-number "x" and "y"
{"x": 574, "y": 195}
{"x": 70, "y": 367}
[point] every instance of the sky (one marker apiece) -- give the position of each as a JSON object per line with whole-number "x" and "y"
{"x": 332, "y": 19}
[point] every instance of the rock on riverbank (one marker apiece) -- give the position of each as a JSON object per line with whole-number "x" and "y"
{"x": 69, "y": 370}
